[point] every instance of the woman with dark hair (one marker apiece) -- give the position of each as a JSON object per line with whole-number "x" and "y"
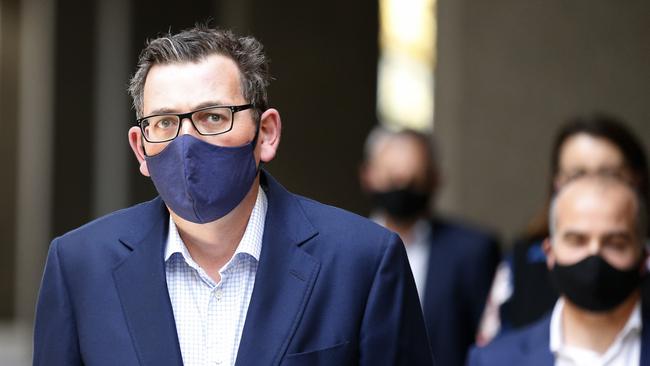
{"x": 595, "y": 144}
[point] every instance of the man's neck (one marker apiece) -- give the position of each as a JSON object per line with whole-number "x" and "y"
{"x": 403, "y": 228}
{"x": 211, "y": 245}
{"x": 595, "y": 331}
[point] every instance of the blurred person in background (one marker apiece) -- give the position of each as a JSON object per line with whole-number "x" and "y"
{"x": 596, "y": 257}
{"x": 452, "y": 263}
{"x": 586, "y": 145}
{"x": 226, "y": 266}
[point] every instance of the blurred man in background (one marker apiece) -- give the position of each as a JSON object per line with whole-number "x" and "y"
{"x": 595, "y": 255}
{"x": 452, "y": 264}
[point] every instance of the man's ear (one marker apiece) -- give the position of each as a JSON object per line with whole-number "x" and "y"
{"x": 364, "y": 176}
{"x": 645, "y": 258}
{"x": 547, "y": 246}
{"x": 135, "y": 140}
{"x": 269, "y": 135}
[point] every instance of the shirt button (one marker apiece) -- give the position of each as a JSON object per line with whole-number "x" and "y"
{"x": 219, "y": 293}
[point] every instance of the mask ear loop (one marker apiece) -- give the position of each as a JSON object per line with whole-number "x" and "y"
{"x": 254, "y": 142}
{"x": 144, "y": 151}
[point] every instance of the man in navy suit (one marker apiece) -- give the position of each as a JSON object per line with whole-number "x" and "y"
{"x": 452, "y": 263}
{"x": 596, "y": 258}
{"x": 225, "y": 267}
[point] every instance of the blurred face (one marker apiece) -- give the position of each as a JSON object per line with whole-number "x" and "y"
{"x": 185, "y": 87}
{"x": 595, "y": 221}
{"x": 583, "y": 154}
{"x": 398, "y": 162}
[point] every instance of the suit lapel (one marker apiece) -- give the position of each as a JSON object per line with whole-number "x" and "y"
{"x": 537, "y": 351}
{"x": 437, "y": 260}
{"x": 540, "y": 356}
{"x": 285, "y": 278}
{"x": 645, "y": 332}
{"x": 142, "y": 287}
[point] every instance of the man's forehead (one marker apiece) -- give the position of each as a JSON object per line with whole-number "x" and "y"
{"x": 400, "y": 156}
{"x": 188, "y": 84}
{"x": 596, "y": 201}
{"x": 598, "y": 188}
{"x": 214, "y": 64}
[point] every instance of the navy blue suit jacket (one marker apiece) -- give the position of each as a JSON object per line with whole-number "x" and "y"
{"x": 331, "y": 288}
{"x": 530, "y": 346}
{"x": 461, "y": 266}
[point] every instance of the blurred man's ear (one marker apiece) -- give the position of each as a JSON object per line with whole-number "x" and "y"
{"x": 135, "y": 140}
{"x": 436, "y": 182}
{"x": 547, "y": 246}
{"x": 645, "y": 257}
{"x": 364, "y": 176}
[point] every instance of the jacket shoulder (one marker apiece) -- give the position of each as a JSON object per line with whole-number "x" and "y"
{"x": 345, "y": 230}
{"x": 516, "y": 347}
{"x": 109, "y": 228}
{"x": 465, "y": 231}
{"x": 330, "y": 217}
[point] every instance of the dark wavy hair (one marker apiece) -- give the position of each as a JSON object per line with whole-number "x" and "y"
{"x": 195, "y": 44}
{"x": 602, "y": 126}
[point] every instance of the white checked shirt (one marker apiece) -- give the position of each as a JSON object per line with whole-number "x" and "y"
{"x": 624, "y": 351}
{"x": 210, "y": 316}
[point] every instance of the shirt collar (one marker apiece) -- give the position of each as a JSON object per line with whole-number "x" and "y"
{"x": 251, "y": 241}
{"x": 420, "y": 232}
{"x": 556, "y": 341}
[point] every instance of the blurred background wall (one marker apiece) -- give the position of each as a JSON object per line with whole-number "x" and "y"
{"x": 508, "y": 73}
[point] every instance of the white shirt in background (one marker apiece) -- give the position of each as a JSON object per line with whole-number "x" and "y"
{"x": 624, "y": 351}
{"x": 417, "y": 250}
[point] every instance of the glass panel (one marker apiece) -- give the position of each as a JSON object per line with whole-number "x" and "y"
{"x": 406, "y": 65}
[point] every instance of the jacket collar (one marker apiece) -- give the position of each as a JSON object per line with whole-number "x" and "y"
{"x": 645, "y": 328}
{"x": 535, "y": 349}
{"x": 285, "y": 278}
{"x": 142, "y": 288}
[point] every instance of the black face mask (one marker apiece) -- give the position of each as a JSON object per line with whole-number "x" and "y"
{"x": 593, "y": 284}
{"x": 401, "y": 204}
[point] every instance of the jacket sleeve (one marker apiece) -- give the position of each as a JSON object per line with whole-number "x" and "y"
{"x": 55, "y": 332}
{"x": 393, "y": 330}
{"x": 474, "y": 358}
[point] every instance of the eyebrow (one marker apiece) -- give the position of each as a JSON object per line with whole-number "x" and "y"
{"x": 606, "y": 235}
{"x": 213, "y": 103}
{"x": 572, "y": 232}
{"x": 619, "y": 234}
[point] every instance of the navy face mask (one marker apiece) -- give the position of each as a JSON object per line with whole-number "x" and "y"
{"x": 202, "y": 182}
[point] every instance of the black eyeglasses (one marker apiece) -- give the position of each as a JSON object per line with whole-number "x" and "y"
{"x": 208, "y": 121}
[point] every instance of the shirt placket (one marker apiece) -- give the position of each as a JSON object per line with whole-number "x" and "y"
{"x": 221, "y": 316}
{"x": 206, "y": 290}
{"x": 214, "y": 334}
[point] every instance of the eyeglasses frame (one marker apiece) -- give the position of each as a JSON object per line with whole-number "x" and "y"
{"x": 181, "y": 116}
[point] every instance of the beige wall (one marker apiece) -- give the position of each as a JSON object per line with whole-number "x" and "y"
{"x": 509, "y": 73}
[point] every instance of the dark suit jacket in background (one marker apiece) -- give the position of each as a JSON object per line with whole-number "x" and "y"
{"x": 461, "y": 267}
{"x": 530, "y": 346}
{"x": 331, "y": 288}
